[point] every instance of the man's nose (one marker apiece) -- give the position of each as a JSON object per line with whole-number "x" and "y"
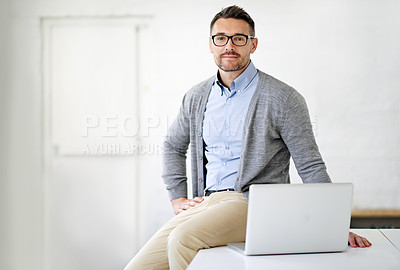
{"x": 229, "y": 46}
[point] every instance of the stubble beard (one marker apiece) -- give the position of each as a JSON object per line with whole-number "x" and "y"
{"x": 239, "y": 66}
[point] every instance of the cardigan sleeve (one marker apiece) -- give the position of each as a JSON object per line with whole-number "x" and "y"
{"x": 298, "y": 136}
{"x": 174, "y": 154}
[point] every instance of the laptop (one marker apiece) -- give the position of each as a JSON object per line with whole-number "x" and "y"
{"x": 297, "y": 218}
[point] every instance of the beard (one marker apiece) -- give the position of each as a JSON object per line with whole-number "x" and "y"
{"x": 229, "y": 67}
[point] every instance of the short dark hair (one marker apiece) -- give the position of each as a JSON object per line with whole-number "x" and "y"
{"x": 234, "y": 12}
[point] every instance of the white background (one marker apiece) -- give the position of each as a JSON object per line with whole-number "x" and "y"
{"x": 343, "y": 56}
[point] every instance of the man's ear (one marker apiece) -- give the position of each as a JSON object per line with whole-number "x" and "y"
{"x": 254, "y": 45}
{"x": 210, "y": 44}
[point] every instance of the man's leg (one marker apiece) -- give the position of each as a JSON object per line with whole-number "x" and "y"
{"x": 223, "y": 221}
{"x": 154, "y": 255}
{"x": 218, "y": 220}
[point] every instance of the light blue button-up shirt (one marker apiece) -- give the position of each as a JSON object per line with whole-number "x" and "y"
{"x": 223, "y": 122}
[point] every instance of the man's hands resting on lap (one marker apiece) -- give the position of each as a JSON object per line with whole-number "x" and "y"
{"x": 181, "y": 204}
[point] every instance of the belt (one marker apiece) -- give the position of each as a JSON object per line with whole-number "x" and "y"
{"x": 209, "y": 192}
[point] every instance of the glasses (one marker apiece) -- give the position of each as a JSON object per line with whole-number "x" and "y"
{"x": 237, "y": 40}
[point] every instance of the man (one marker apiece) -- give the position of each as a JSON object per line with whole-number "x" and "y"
{"x": 242, "y": 126}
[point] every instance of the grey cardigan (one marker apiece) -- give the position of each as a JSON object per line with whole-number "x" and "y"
{"x": 277, "y": 126}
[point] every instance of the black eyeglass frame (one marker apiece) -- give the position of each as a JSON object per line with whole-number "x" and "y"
{"x": 231, "y": 38}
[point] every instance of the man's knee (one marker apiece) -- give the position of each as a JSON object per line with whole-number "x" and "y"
{"x": 182, "y": 236}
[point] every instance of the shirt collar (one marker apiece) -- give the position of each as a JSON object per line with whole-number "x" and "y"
{"x": 241, "y": 82}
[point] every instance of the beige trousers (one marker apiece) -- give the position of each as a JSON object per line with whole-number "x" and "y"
{"x": 218, "y": 220}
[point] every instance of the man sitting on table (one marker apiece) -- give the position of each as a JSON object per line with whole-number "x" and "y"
{"x": 242, "y": 126}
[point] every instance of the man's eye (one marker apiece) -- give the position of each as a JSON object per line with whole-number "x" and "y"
{"x": 239, "y": 39}
{"x": 221, "y": 38}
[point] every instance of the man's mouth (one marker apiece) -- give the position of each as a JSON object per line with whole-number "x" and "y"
{"x": 230, "y": 55}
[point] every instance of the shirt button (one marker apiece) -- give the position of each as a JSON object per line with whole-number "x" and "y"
{"x": 238, "y": 91}
{"x": 226, "y": 127}
{"x": 226, "y": 147}
{"x": 224, "y": 163}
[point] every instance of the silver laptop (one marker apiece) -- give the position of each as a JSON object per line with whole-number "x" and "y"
{"x": 297, "y": 218}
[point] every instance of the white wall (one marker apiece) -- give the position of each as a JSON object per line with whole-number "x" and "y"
{"x": 341, "y": 55}
{"x": 4, "y": 198}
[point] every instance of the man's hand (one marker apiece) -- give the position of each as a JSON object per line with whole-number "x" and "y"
{"x": 181, "y": 204}
{"x": 356, "y": 240}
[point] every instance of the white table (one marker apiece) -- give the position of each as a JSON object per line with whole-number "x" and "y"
{"x": 393, "y": 235}
{"x": 382, "y": 255}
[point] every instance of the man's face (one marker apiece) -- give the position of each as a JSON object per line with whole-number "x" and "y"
{"x": 231, "y": 57}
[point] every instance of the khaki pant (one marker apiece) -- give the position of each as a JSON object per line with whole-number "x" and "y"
{"x": 218, "y": 220}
